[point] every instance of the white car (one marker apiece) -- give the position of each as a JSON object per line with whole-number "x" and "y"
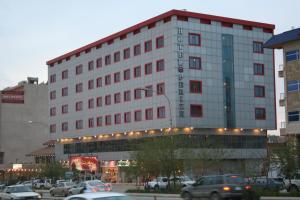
{"x": 99, "y": 196}
{"x": 15, "y": 192}
{"x": 157, "y": 184}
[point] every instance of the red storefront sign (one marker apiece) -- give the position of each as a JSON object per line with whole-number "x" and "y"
{"x": 12, "y": 96}
{"x": 84, "y": 163}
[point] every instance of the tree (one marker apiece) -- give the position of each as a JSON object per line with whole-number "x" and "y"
{"x": 53, "y": 170}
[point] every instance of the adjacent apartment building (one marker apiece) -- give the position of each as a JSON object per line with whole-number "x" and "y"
{"x": 194, "y": 75}
{"x": 289, "y": 42}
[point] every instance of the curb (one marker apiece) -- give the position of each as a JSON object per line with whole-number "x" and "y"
{"x": 153, "y": 195}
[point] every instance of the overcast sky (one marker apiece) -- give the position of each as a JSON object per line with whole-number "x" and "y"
{"x": 34, "y": 31}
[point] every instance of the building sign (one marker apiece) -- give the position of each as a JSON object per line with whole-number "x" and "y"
{"x": 17, "y": 166}
{"x": 123, "y": 163}
{"x": 84, "y": 163}
{"x": 180, "y": 70}
{"x": 12, "y": 96}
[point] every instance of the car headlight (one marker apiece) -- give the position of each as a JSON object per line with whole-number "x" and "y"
{"x": 39, "y": 196}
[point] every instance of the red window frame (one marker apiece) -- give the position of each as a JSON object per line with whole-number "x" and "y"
{"x": 145, "y": 46}
{"x": 195, "y": 92}
{"x": 147, "y": 65}
{"x": 126, "y": 53}
{"x": 135, "y": 72}
{"x": 64, "y": 109}
{"x": 107, "y": 120}
{"x": 64, "y": 92}
{"x": 117, "y": 98}
{"x": 117, "y": 77}
{"x": 107, "y": 60}
{"x": 99, "y": 102}
{"x": 136, "y": 91}
{"x": 91, "y": 84}
{"x": 78, "y": 105}
{"x": 260, "y": 87}
{"x": 135, "y": 115}
{"x": 117, "y": 56}
{"x": 79, "y": 87}
{"x": 263, "y": 69}
{"x": 125, "y": 74}
{"x": 64, "y": 74}
{"x": 91, "y": 122}
{"x": 127, "y": 117}
{"x": 262, "y": 49}
{"x": 264, "y": 115}
{"x": 195, "y": 34}
{"x": 52, "y": 78}
{"x": 127, "y": 92}
{"x": 149, "y": 93}
{"x": 64, "y": 126}
{"x": 146, "y": 114}
{"x": 99, "y": 82}
{"x": 99, "y": 62}
{"x": 78, "y": 69}
{"x": 107, "y": 100}
{"x": 158, "y": 111}
{"x": 53, "y": 94}
{"x": 52, "y": 111}
{"x": 91, "y": 65}
{"x": 158, "y": 91}
{"x": 91, "y": 103}
{"x": 117, "y": 118}
{"x": 79, "y": 124}
{"x": 157, "y": 42}
{"x": 99, "y": 121}
{"x": 107, "y": 79}
{"x": 137, "y": 50}
{"x": 157, "y": 65}
{"x": 52, "y": 128}
{"x": 193, "y": 109}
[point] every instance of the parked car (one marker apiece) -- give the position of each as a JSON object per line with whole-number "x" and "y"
{"x": 216, "y": 187}
{"x": 183, "y": 181}
{"x": 99, "y": 196}
{"x": 90, "y": 186}
{"x": 293, "y": 184}
{"x": 18, "y": 192}
{"x": 268, "y": 184}
{"x": 42, "y": 184}
{"x": 62, "y": 189}
{"x": 157, "y": 183}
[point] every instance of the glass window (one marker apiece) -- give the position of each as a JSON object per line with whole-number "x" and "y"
{"x": 99, "y": 101}
{"x": 107, "y": 60}
{"x": 127, "y": 95}
{"x": 160, "y": 65}
{"x": 117, "y": 56}
{"x": 137, "y": 71}
{"x": 292, "y": 55}
{"x": 137, "y": 49}
{"x": 137, "y": 93}
{"x": 161, "y": 112}
{"x": 149, "y": 114}
{"x": 91, "y": 103}
{"x": 293, "y": 116}
{"x": 64, "y": 109}
{"x": 99, "y": 62}
{"x": 78, "y": 87}
{"x": 196, "y": 87}
{"x": 194, "y": 62}
{"x": 258, "y": 47}
{"x": 149, "y": 91}
{"x": 108, "y": 120}
{"x": 64, "y": 74}
{"x": 117, "y": 97}
{"x": 107, "y": 80}
{"x": 126, "y": 53}
{"x": 260, "y": 113}
{"x": 148, "y": 68}
{"x": 194, "y": 39}
{"x": 78, "y": 69}
{"x": 196, "y": 110}
{"x": 99, "y": 121}
{"x": 293, "y": 86}
{"x": 127, "y": 74}
{"x": 138, "y": 115}
{"x": 127, "y": 117}
{"x": 148, "y": 46}
{"x": 117, "y": 77}
{"x": 91, "y": 65}
{"x": 91, "y": 84}
{"x": 99, "y": 82}
{"x": 117, "y": 118}
{"x": 160, "y": 88}
{"x": 79, "y": 124}
{"x": 258, "y": 69}
{"x": 64, "y": 91}
{"x": 107, "y": 100}
{"x": 259, "y": 91}
{"x": 64, "y": 126}
{"x": 160, "y": 42}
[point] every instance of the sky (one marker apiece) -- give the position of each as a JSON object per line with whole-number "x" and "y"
{"x": 34, "y": 31}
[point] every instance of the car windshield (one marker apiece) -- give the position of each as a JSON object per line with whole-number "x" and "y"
{"x": 233, "y": 179}
{"x": 95, "y": 183}
{"x": 114, "y": 198}
{"x": 185, "y": 178}
{"x": 18, "y": 189}
{"x": 69, "y": 184}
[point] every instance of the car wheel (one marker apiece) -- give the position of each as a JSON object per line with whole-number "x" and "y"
{"x": 293, "y": 188}
{"x": 156, "y": 188}
{"x": 214, "y": 196}
{"x": 187, "y": 196}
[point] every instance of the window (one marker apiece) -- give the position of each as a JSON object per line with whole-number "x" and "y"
{"x": 293, "y": 116}
{"x": 149, "y": 114}
{"x": 64, "y": 91}
{"x": 148, "y": 68}
{"x": 78, "y": 69}
{"x": 118, "y": 118}
{"x": 196, "y": 110}
{"x": 117, "y": 97}
{"x": 194, "y": 62}
{"x": 108, "y": 120}
{"x": 78, "y": 87}
{"x": 259, "y": 91}
{"x": 137, "y": 50}
{"x": 64, "y": 109}
{"x": 293, "y": 86}
{"x": 137, "y": 72}
{"x": 148, "y": 46}
{"x": 137, "y": 93}
{"x": 99, "y": 101}
{"x": 64, "y": 126}
{"x": 117, "y": 56}
{"x": 127, "y": 95}
{"x": 64, "y": 74}
{"x": 99, "y": 62}
{"x": 99, "y": 121}
{"x": 107, "y": 100}
{"x": 160, "y": 88}
{"x": 107, "y": 60}
{"x": 52, "y": 111}
{"x": 91, "y": 122}
{"x": 161, "y": 112}
{"x": 149, "y": 91}
{"x": 107, "y": 80}
{"x": 127, "y": 74}
{"x": 117, "y": 77}
{"x": 194, "y": 39}
{"x": 258, "y": 69}
{"x": 160, "y": 42}
{"x": 196, "y": 87}
{"x": 260, "y": 113}
{"x": 127, "y": 117}
{"x": 78, "y": 106}
{"x": 91, "y": 65}
{"x": 137, "y": 115}
{"x": 91, "y": 84}
{"x": 99, "y": 82}
{"x": 52, "y": 128}
{"x": 79, "y": 124}
{"x": 258, "y": 47}
{"x": 53, "y": 95}
{"x": 292, "y": 55}
{"x": 126, "y": 53}
{"x": 53, "y": 78}
{"x": 160, "y": 65}
{"x": 91, "y": 103}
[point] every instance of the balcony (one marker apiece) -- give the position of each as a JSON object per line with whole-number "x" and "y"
{"x": 281, "y": 71}
{"x": 282, "y": 129}
{"x": 282, "y": 99}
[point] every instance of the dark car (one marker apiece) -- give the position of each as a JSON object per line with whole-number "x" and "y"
{"x": 216, "y": 187}
{"x": 268, "y": 184}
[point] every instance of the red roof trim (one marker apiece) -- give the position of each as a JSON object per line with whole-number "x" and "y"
{"x": 158, "y": 18}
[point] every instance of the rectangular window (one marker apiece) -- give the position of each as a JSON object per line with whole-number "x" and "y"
{"x": 99, "y": 121}
{"x": 52, "y": 128}
{"x": 127, "y": 95}
{"x": 148, "y": 68}
{"x": 53, "y": 95}
{"x": 196, "y": 87}
{"x": 78, "y": 69}
{"x": 64, "y": 91}
{"x": 107, "y": 80}
{"x": 196, "y": 110}
{"x": 258, "y": 69}
{"x": 79, "y": 124}
{"x": 138, "y": 115}
{"x": 117, "y": 97}
{"x": 160, "y": 88}
{"x": 99, "y": 101}
{"x": 137, "y": 93}
{"x": 91, "y": 84}
{"x": 117, "y": 77}
{"x": 259, "y": 91}
{"x": 194, "y": 39}
{"x": 108, "y": 120}
{"x": 64, "y": 74}
{"x": 107, "y": 100}
{"x": 117, "y": 56}
{"x": 293, "y": 116}
{"x": 160, "y": 65}
{"x": 99, "y": 62}
{"x": 91, "y": 122}
{"x": 160, "y": 42}
{"x": 64, "y": 109}
{"x": 78, "y": 87}
{"x": 127, "y": 117}
{"x": 260, "y": 113}
{"x": 52, "y": 111}
{"x": 258, "y": 47}
{"x": 79, "y": 106}
{"x": 292, "y": 55}
{"x": 161, "y": 112}
{"x": 91, "y": 103}
{"x": 126, "y": 74}
{"x": 53, "y": 78}
{"x": 149, "y": 114}
{"x": 91, "y": 65}
{"x": 99, "y": 82}
{"x": 293, "y": 86}
{"x": 137, "y": 72}
{"x": 107, "y": 60}
{"x": 126, "y": 53}
{"x": 148, "y": 46}
{"x": 149, "y": 91}
{"x": 205, "y": 21}
{"x": 118, "y": 118}
{"x": 64, "y": 126}
{"x": 137, "y": 50}
{"x": 194, "y": 62}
